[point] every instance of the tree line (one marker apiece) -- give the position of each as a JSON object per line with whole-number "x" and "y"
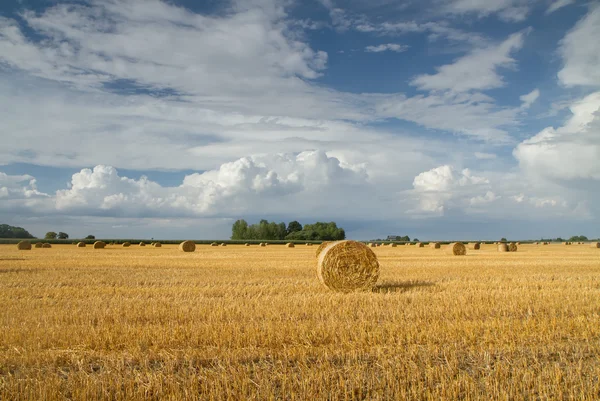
{"x": 270, "y": 230}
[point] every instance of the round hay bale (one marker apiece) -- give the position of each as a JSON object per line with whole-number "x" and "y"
{"x": 321, "y": 246}
{"x": 214, "y": 244}
{"x": 142, "y": 244}
{"x": 223, "y": 244}
{"x": 393, "y": 245}
{"x": 290, "y": 245}
{"x": 518, "y": 243}
{"x": 372, "y": 245}
{"x": 457, "y": 249}
{"x": 512, "y": 247}
{"x": 475, "y": 246}
{"x": 263, "y": 244}
{"x": 38, "y": 245}
{"x": 420, "y": 245}
{"x": 187, "y": 246}
{"x": 126, "y": 244}
{"x": 46, "y": 245}
{"x": 435, "y": 245}
{"x": 157, "y": 245}
{"x": 503, "y": 247}
{"x": 99, "y": 245}
{"x": 246, "y": 244}
{"x": 24, "y": 245}
{"x": 595, "y": 244}
{"x": 347, "y": 266}
{"x": 81, "y": 245}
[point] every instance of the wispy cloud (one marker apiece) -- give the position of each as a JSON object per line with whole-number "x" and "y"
{"x": 393, "y": 47}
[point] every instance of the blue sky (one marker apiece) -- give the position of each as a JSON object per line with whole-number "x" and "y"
{"x": 439, "y": 119}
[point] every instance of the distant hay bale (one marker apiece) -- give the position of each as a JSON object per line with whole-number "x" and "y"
{"x": 46, "y": 245}
{"x": 545, "y": 243}
{"x": 503, "y": 247}
{"x": 512, "y": 247}
{"x": 518, "y": 243}
{"x": 347, "y": 266}
{"x": 187, "y": 246}
{"x": 372, "y": 245}
{"x": 38, "y": 245}
{"x": 99, "y": 245}
{"x": 394, "y": 245}
{"x": 475, "y": 246}
{"x": 322, "y": 246}
{"x": 435, "y": 245}
{"x": 246, "y": 244}
{"x": 126, "y": 244}
{"x": 81, "y": 245}
{"x": 157, "y": 245}
{"x": 457, "y": 249}
{"x": 142, "y": 244}
{"x": 263, "y": 244}
{"x": 223, "y": 244}
{"x": 420, "y": 245}
{"x": 214, "y": 244}
{"x": 24, "y": 245}
{"x": 290, "y": 245}
{"x": 595, "y": 244}
{"x": 152, "y": 243}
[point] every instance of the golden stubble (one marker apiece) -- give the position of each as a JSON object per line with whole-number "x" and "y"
{"x": 252, "y": 322}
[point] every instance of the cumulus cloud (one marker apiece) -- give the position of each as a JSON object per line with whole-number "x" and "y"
{"x": 581, "y": 52}
{"x": 475, "y": 71}
{"x": 393, "y": 47}
{"x": 236, "y": 187}
{"x": 568, "y": 152}
{"x": 558, "y": 4}
{"x": 18, "y": 187}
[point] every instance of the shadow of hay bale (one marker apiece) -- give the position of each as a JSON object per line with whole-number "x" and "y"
{"x": 401, "y": 286}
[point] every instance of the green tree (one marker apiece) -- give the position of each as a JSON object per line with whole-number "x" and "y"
{"x": 7, "y": 231}
{"x": 578, "y": 238}
{"x": 503, "y": 239}
{"x": 62, "y": 235}
{"x": 50, "y": 235}
{"x": 239, "y": 230}
{"x": 90, "y": 237}
{"x": 293, "y": 226}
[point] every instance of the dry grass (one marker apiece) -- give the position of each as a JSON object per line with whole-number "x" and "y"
{"x": 256, "y": 324}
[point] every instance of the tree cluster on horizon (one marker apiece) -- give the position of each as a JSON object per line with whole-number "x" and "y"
{"x": 265, "y": 230}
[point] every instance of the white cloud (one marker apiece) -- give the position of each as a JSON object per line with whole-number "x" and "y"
{"x": 393, "y": 47}
{"x": 18, "y": 187}
{"x": 483, "y": 199}
{"x": 580, "y": 51}
{"x": 528, "y": 99}
{"x": 507, "y": 10}
{"x": 568, "y": 152}
{"x": 558, "y": 4}
{"x": 475, "y": 71}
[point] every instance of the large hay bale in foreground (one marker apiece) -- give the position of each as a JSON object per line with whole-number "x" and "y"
{"x": 475, "y": 246}
{"x": 457, "y": 249}
{"x": 503, "y": 247}
{"x": 99, "y": 245}
{"x": 322, "y": 246}
{"x": 24, "y": 245}
{"x": 512, "y": 247}
{"x": 126, "y": 244}
{"x": 187, "y": 246}
{"x": 595, "y": 244}
{"x": 157, "y": 245}
{"x": 347, "y": 266}
{"x": 435, "y": 245}
{"x": 38, "y": 245}
{"x": 81, "y": 244}
{"x": 420, "y": 245}
{"x": 290, "y": 245}
{"x": 46, "y": 245}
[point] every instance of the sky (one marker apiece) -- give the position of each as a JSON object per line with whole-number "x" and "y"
{"x": 437, "y": 119}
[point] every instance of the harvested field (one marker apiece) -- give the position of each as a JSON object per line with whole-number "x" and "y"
{"x": 240, "y": 323}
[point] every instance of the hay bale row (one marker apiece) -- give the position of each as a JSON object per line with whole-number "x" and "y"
{"x": 187, "y": 246}
{"x": 457, "y": 249}
{"x": 347, "y": 266}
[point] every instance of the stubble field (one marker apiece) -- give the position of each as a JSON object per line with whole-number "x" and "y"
{"x": 237, "y": 323}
